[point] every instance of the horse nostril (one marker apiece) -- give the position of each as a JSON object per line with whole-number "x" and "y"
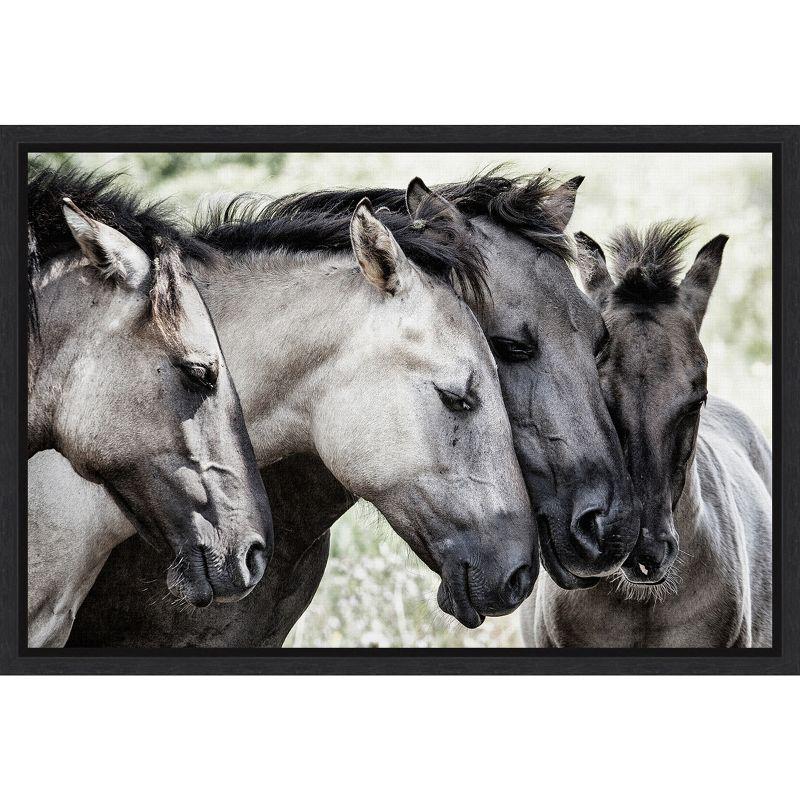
{"x": 652, "y": 557}
{"x": 255, "y": 561}
{"x": 587, "y": 530}
{"x": 518, "y": 586}
{"x": 649, "y": 559}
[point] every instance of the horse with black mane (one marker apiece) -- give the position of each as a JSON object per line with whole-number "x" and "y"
{"x": 126, "y": 379}
{"x": 700, "y": 574}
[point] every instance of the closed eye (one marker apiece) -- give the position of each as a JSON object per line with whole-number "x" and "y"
{"x": 695, "y": 406}
{"x": 457, "y": 403}
{"x": 512, "y": 350}
{"x": 201, "y": 377}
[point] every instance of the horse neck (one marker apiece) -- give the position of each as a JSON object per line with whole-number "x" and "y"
{"x": 281, "y": 318}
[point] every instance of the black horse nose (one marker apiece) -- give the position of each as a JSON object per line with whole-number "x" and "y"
{"x": 519, "y": 585}
{"x": 643, "y": 565}
{"x": 652, "y": 556}
{"x": 587, "y": 533}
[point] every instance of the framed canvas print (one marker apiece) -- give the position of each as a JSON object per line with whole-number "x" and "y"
{"x": 399, "y": 399}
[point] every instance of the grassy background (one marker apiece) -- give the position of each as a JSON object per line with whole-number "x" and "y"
{"x": 375, "y": 592}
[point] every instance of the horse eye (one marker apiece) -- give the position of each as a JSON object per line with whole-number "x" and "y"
{"x": 201, "y": 376}
{"x": 694, "y": 408}
{"x": 511, "y": 349}
{"x": 455, "y": 402}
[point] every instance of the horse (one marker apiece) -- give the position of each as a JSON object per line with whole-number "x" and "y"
{"x": 370, "y": 362}
{"x": 127, "y": 381}
{"x": 700, "y": 574}
{"x": 538, "y": 322}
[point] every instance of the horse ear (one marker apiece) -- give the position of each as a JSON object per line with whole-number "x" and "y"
{"x": 416, "y": 194}
{"x": 423, "y": 203}
{"x": 376, "y": 250}
{"x": 699, "y": 282}
{"x": 561, "y": 203}
{"x": 112, "y": 253}
{"x": 592, "y": 267}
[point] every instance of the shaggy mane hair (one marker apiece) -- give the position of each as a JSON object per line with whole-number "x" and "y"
{"x": 321, "y": 220}
{"x": 516, "y": 203}
{"x": 442, "y": 249}
{"x": 150, "y": 227}
{"x": 647, "y": 263}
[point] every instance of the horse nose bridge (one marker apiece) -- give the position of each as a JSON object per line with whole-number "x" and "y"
{"x": 582, "y": 419}
{"x": 594, "y": 463}
{"x": 235, "y": 492}
{"x": 567, "y": 447}
{"x": 574, "y": 477}
{"x": 656, "y": 510}
{"x": 489, "y": 496}
{"x": 491, "y": 531}
{"x": 506, "y": 517}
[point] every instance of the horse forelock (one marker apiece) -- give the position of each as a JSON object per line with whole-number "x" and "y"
{"x": 151, "y": 227}
{"x": 647, "y": 264}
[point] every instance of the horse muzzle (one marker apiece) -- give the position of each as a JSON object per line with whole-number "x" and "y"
{"x": 470, "y": 595}
{"x": 652, "y": 558}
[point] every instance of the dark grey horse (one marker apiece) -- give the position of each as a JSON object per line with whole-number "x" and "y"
{"x": 538, "y": 322}
{"x": 700, "y": 574}
{"x": 127, "y": 381}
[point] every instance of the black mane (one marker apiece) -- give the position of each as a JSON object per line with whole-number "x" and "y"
{"x": 647, "y": 263}
{"x": 303, "y": 222}
{"x": 516, "y": 203}
{"x": 320, "y": 220}
{"x": 101, "y": 197}
{"x": 150, "y": 227}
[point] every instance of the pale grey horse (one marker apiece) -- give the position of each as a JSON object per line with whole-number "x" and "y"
{"x": 127, "y": 381}
{"x": 700, "y": 574}
{"x": 347, "y": 357}
{"x": 544, "y": 334}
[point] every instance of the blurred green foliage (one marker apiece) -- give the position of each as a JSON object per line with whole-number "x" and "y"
{"x": 375, "y": 592}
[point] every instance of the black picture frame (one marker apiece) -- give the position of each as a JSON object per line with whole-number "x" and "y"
{"x": 782, "y": 141}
